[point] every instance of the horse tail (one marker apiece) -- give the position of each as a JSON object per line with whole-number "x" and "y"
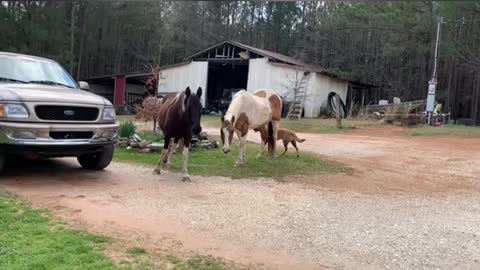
{"x": 270, "y": 139}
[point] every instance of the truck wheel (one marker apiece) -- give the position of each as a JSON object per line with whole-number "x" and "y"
{"x": 97, "y": 161}
{"x": 2, "y": 161}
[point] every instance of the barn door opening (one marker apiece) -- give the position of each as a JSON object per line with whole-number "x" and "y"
{"x": 224, "y": 80}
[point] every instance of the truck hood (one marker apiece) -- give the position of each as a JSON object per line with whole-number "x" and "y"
{"x": 46, "y": 93}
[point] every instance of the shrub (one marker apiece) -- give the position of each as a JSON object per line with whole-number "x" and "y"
{"x": 127, "y": 129}
{"x": 149, "y": 109}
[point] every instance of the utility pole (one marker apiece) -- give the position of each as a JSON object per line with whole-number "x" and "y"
{"x": 432, "y": 84}
{"x": 339, "y": 118}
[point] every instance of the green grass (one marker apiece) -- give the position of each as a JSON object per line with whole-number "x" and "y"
{"x": 29, "y": 239}
{"x": 447, "y": 130}
{"x": 200, "y": 263}
{"x": 215, "y": 162}
{"x": 308, "y": 125}
{"x": 136, "y": 251}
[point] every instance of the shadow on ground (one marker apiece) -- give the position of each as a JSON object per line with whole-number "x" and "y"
{"x": 65, "y": 170}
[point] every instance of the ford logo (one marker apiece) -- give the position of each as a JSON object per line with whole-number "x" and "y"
{"x": 69, "y": 112}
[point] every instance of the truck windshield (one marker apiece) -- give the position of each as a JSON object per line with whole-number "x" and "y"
{"x": 20, "y": 69}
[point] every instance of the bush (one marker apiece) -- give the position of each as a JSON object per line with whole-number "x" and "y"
{"x": 152, "y": 136}
{"x": 127, "y": 129}
{"x": 149, "y": 109}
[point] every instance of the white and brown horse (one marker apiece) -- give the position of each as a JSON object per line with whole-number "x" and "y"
{"x": 262, "y": 109}
{"x": 179, "y": 118}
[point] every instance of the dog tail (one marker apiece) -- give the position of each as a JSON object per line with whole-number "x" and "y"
{"x": 299, "y": 140}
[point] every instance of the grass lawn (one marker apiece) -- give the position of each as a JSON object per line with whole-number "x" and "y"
{"x": 308, "y": 125}
{"x": 447, "y": 130}
{"x": 215, "y": 162}
{"x": 31, "y": 240}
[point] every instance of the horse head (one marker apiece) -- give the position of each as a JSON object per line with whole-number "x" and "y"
{"x": 226, "y": 133}
{"x": 193, "y": 108}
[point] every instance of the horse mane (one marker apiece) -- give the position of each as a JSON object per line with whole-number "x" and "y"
{"x": 234, "y": 106}
{"x": 239, "y": 93}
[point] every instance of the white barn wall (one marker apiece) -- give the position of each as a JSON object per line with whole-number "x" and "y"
{"x": 176, "y": 79}
{"x": 264, "y": 75}
{"x": 318, "y": 90}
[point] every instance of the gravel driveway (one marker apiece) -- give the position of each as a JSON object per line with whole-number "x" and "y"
{"x": 327, "y": 222}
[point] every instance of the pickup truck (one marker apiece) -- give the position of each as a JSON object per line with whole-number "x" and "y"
{"x": 45, "y": 113}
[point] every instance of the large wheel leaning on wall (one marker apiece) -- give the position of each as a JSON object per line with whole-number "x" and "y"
{"x": 332, "y": 107}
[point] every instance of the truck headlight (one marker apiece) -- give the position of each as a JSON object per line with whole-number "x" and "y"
{"x": 13, "y": 111}
{"x": 109, "y": 113}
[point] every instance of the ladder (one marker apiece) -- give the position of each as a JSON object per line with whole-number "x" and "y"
{"x": 300, "y": 94}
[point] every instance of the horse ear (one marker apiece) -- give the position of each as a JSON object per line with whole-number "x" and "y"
{"x": 199, "y": 92}
{"x": 188, "y": 92}
{"x": 233, "y": 119}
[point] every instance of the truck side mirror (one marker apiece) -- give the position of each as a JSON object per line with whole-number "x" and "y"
{"x": 84, "y": 86}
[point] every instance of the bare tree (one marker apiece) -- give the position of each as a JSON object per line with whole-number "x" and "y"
{"x": 149, "y": 110}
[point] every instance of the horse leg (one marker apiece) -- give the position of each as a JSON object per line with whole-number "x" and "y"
{"x": 241, "y": 154}
{"x": 263, "y": 141}
{"x": 262, "y": 149}
{"x": 185, "y": 152}
{"x": 180, "y": 145}
{"x": 163, "y": 157}
{"x": 171, "y": 150}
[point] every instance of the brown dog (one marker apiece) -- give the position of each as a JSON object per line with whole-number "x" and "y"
{"x": 286, "y": 135}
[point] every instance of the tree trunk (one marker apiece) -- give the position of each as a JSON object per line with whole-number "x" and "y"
{"x": 72, "y": 37}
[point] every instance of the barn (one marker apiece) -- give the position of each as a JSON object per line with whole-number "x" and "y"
{"x": 229, "y": 66}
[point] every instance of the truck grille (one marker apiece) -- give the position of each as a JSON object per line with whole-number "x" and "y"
{"x": 66, "y": 135}
{"x": 46, "y": 112}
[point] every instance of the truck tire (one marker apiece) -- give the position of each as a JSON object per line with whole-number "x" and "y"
{"x": 97, "y": 161}
{"x": 2, "y": 161}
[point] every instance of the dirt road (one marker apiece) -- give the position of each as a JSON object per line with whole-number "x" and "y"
{"x": 412, "y": 203}
{"x": 386, "y": 160}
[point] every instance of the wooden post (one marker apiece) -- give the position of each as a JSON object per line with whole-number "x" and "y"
{"x": 339, "y": 119}
{"x": 119, "y": 91}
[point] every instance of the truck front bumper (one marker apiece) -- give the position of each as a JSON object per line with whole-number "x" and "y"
{"x": 41, "y": 134}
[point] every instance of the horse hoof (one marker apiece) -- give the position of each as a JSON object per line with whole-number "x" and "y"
{"x": 238, "y": 164}
{"x": 156, "y": 172}
{"x": 186, "y": 178}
